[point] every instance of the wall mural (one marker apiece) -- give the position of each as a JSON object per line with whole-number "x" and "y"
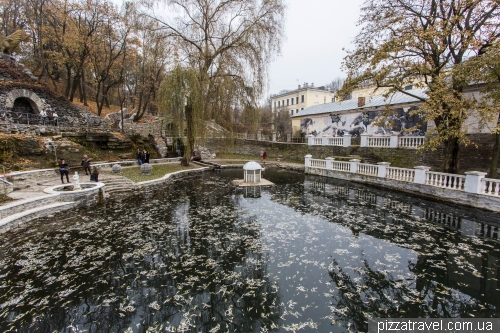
{"x": 359, "y": 122}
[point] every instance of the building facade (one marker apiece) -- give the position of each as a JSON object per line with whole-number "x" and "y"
{"x": 304, "y": 96}
{"x": 358, "y": 115}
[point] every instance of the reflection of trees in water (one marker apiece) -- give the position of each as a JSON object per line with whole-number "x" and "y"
{"x": 180, "y": 258}
{"x": 364, "y": 293}
{"x": 454, "y": 276}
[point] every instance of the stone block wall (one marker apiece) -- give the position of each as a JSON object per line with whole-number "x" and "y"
{"x": 142, "y": 129}
{"x": 473, "y": 157}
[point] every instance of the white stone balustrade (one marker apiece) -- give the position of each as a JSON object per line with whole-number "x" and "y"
{"x": 490, "y": 186}
{"x": 341, "y": 166}
{"x": 315, "y": 163}
{"x": 445, "y": 180}
{"x": 382, "y": 169}
{"x": 378, "y": 141}
{"x": 368, "y": 169}
{"x": 354, "y": 165}
{"x": 405, "y": 175}
{"x": 336, "y": 141}
{"x": 473, "y": 181}
{"x": 411, "y": 142}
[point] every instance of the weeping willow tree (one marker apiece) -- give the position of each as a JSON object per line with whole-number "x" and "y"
{"x": 181, "y": 95}
{"x": 227, "y": 46}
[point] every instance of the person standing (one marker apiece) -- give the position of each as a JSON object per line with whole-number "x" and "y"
{"x": 55, "y": 118}
{"x": 139, "y": 157}
{"x": 146, "y": 156}
{"x": 264, "y": 155}
{"x": 94, "y": 176}
{"x": 86, "y": 164}
{"x": 43, "y": 114}
{"x": 63, "y": 170}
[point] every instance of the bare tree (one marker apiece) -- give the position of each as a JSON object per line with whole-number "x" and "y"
{"x": 228, "y": 43}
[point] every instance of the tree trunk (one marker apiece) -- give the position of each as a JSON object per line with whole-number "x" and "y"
{"x": 68, "y": 82}
{"x": 452, "y": 155}
{"x": 76, "y": 83}
{"x": 189, "y": 113}
{"x": 494, "y": 157}
{"x": 84, "y": 91}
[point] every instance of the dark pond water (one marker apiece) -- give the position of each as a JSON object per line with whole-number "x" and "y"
{"x": 307, "y": 255}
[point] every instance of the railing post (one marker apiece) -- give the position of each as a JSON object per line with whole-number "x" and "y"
{"x": 382, "y": 169}
{"x": 394, "y": 143}
{"x": 324, "y": 141}
{"x": 288, "y": 137}
{"x": 364, "y": 140}
{"x": 308, "y": 160}
{"x": 310, "y": 140}
{"x": 274, "y": 136}
{"x": 473, "y": 181}
{"x": 354, "y": 165}
{"x": 329, "y": 163}
{"x": 259, "y": 135}
{"x": 347, "y": 140}
{"x": 420, "y": 174}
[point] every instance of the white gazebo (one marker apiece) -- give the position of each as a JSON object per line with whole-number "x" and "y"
{"x": 252, "y": 171}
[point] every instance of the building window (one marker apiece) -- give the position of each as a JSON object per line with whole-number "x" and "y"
{"x": 291, "y": 101}
{"x": 301, "y": 109}
{"x": 275, "y": 104}
{"x": 302, "y": 99}
{"x": 296, "y": 111}
{"x": 278, "y": 103}
{"x": 333, "y": 99}
{"x": 297, "y": 100}
{"x": 287, "y": 102}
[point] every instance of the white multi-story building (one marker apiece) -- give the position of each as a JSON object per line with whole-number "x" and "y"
{"x": 303, "y": 97}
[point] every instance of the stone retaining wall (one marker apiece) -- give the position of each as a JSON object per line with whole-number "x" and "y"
{"x": 472, "y": 157}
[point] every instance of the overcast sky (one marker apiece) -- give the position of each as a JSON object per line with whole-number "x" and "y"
{"x": 316, "y": 31}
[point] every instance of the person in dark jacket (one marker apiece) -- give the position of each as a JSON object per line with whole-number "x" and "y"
{"x": 140, "y": 156}
{"x": 86, "y": 164}
{"x": 146, "y": 156}
{"x": 94, "y": 176}
{"x": 63, "y": 170}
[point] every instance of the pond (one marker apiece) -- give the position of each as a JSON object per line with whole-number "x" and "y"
{"x": 309, "y": 254}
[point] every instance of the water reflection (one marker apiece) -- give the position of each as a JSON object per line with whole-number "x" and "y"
{"x": 309, "y": 254}
{"x": 184, "y": 261}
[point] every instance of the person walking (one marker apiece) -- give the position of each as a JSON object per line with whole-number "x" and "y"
{"x": 86, "y": 164}
{"x": 139, "y": 157}
{"x": 63, "y": 170}
{"x": 264, "y": 155}
{"x": 94, "y": 176}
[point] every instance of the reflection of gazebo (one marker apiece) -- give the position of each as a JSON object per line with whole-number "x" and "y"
{"x": 252, "y": 171}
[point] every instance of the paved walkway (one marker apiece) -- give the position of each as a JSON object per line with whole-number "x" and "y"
{"x": 33, "y": 187}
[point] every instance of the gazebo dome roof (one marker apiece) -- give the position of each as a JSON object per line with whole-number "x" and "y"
{"x": 252, "y": 165}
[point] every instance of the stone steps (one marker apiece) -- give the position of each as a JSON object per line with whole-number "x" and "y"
{"x": 16, "y": 219}
{"x": 118, "y": 185}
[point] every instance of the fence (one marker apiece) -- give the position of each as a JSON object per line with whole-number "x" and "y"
{"x": 471, "y": 182}
{"x": 36, "y": 119}
{"x": 377, "y": 141}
